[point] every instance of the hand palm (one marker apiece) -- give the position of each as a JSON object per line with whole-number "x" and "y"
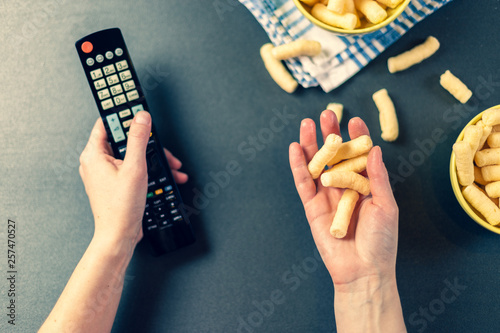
{"x": 371, "y": 242}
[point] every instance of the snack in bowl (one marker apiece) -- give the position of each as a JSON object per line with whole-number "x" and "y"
{"x": 478, "y": 198}
{"x": 356, "y": 17}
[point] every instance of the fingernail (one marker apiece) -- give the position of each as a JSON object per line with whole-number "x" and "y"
{"x": 143, "y": 118}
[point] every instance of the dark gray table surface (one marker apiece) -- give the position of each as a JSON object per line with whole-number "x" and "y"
{"x": 210, "y": 95}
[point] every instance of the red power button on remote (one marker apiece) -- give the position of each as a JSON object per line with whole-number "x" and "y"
{"x": 87, "y": 47}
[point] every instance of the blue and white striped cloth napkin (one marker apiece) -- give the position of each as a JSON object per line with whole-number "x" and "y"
{"x": 342, "y": 56}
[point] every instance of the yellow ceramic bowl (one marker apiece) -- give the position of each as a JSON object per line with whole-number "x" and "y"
{"x": 365, "y": 27}
{"x": 474, "y": 214}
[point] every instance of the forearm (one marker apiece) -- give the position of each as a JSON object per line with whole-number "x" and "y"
{"x": 90, "y": 299}
{"x": 369, "y": 305}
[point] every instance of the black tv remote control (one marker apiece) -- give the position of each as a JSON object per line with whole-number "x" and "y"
{"x": 118, "y": 95}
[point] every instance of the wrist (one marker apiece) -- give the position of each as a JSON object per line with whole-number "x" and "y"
{"x": 113, "y": 247}
{"x": 369, "y": 304}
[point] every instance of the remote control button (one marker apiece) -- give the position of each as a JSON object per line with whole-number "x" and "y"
{"x": 119, "y": 52}
{"x": 159, "y": 191}
{"x": 87, "y": 47}
{"x": 103, "y": 94}
{"x": 122, "y": 151}
{"x": 115, "y": 90}
{"x": 170, "y": 197}
{"x": 174, "y": 211}
{"x": 113, "y": 79}
{"x": 99, "y": 84}
{"x": 121, "y": 65}
{"x": 177, "y": 218}
{"x": 109, "y": 55}
{"x": 90, "y": 61}
{"x": 152, "y": 183}
{"x": 120, "y": 99}
{"x": 149, "y": 220}
{"x": 107, "y": 104}
{"x": 150, "y": 195}
{"x": 157, "y": 202}
{"x": 126, "y": 123}
{"x": 161, "y": 216}
{"x": 164, "y": 223}
{"x": 168, "y": 188}
{"x": 172, "y": 204}
{"x": 114, "y": 126}
{"x": 125, "y": 75}
{"x": 129, "y": 85}
{"x": 96, "y": 74}
{"x": 124, "y": 113}
{"x": 152, "y": 227}
{"x": 137, "y": 108}
{"x": 109, "y": 69}
{"x": 99, "y": 58}
{"x": 132, "y": 95}
{"x": 160, "y": 209}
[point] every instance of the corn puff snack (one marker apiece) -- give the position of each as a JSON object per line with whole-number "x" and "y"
{"x": 353, "y": 148}
{"x": 465, "y": 166}
{"x": 356, "y": 164}
{"x": 491, "y": 117}
{"x": 482, "y": 204}
{"x": 344, "y": 212}
{"x": 414, "y": 56}
{"x": 346, "y": 179}
{"x": 456, "y": 87}
{"x": 277, "y": 70}
{"x": 319, "y": 160}
{"x": 473, "y": 135}
{"x": 344, "y": 21}
{"x": 373, "y": 12}
{"x": 297, "y": 48}
{"x": 486, "y": 157}
{"x": 338, "y": 109}
{"x": 388, "y": 118}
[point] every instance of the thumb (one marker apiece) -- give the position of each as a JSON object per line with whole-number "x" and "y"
{"x": 138, "y": 137}
{"x": 379, "y": 180}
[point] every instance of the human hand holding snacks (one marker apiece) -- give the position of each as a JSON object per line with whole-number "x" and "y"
{"x": 362, "y": 264}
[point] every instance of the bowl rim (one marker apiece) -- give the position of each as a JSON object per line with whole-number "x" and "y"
{"x": 456, "y": 186}
{"x": 397, "y": 11}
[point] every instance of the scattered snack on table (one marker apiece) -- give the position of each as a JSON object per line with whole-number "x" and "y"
{"x": 356, "y": 164}
{"x": 493, "y": 189}
{"x": 344, "y": 21}
{"x": 465, "y": 165}
{"x": 486, "y": 132}
{"x": 491, "y": 118}
{"x": 321, "y": 158}
{"x": 373, "y": 12}
{"x": 494, "y": 140}
{"x": 457, "y": 88}
{"x": 353, "y": 148}
{"x": 390, "y": 3}
{"x": 478, "y": 176}
{"x": 414, "y": 56}
{"x": 388, "y": 118}
{"x": 482, "y": 204}
{"x": 343, "y": 214}
{"x": 336, "y": 6}
{"x": 491, "y": 173}
{"x": 277, "y": 70}
{"x": 473, "y": 135}
{"x": 494, "y": 200}
{"x": 346, "y": 179}
{"x": 297, "y": 48}
{"x": 489, "y": 156}
{"x": 338, "y": 109}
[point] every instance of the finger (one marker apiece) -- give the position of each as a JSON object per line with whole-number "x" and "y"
{"x": 357, "y": 127}
{"x": 174, "y": 162}
{"x": 308, "y": 138}
{"x": 180, "y": 177}
{"x": 329, "y": 124}
{"x": 379, "y": 180}
{"x": 138, "y": 137}
{"x": 303, "y": 181}
{"x": 98, "y": 140}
